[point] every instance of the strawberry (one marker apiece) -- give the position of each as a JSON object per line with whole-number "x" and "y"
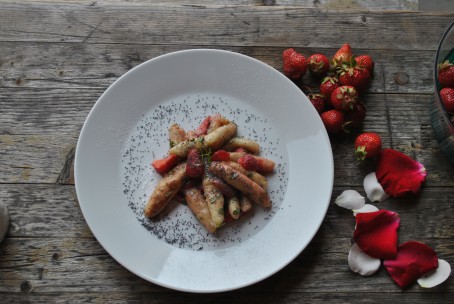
{"x": 356, "y": 116}
{"x": 240, "y": 150}
{"x": 328, "y": 85}
{"x": 367, "y": 145}
{"x": 220, "y": 155}
{"x": 446, "y": 74}
{"x": 295, "y": 64}
{"x": 343, "y": 98}
{"x": 447, "y": 97}
{"x": 355, "y": 76}
{"x": 164, "y": 165}
{"x": 287, "y": 53}
{"x": 248, "y": 162}
{"x": 318, "y": 101}
{"x": 333, "y": 120}
{"x": 343, "y": 55}
{"x": 203, "y": 127}
{"x": 366, "y": 62}
{"x": 194, "y": 165}
{"x": 318, "y": 64}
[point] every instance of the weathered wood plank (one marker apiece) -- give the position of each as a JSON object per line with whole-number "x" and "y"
{"x": 57, "y": 58}
{"x": 243, "y": 297}
{"x": 87, "y": 66}
{"x": 44, "y": 211}
{"x": 327, "y": 4}
{"x": 34, "y": 158}
{"x": 42, "y": 265}
{"x": 37, "y": 157}
{"x": 45, "y": 112}
{"x": 219, "y": 26}
{"x": 40, "y": 211}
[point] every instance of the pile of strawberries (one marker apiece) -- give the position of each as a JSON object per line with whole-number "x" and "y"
{"x": 446, "y": 81}
{"x": 343, "y": 79}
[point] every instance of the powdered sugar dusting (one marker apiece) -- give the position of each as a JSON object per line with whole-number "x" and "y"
{"x": 177, "y": 226}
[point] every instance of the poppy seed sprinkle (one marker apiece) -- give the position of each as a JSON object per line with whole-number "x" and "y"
{"x": 148, "y": 140}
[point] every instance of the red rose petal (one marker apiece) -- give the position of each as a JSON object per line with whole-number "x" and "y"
{"x": 376, "y": 233}
{"x": 413, "y": 259}
{"x": 399, "y": 174}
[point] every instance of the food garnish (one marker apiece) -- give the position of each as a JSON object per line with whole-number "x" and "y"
{"x": 214, "y": 171}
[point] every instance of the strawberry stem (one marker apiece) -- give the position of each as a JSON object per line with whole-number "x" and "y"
{"x": 361, "y": 153}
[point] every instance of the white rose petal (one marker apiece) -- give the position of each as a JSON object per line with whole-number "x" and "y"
{"x": 436, "y": 276}
{"x": 361, "y": 263}
{"x": 374, "y": 190}
{"x": 366, "y": 209}
{"x": 350, "y": 199}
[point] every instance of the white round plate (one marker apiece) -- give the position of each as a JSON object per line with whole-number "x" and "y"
{"x": 127, "y": 129}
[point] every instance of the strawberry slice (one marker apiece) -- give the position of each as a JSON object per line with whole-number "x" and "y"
{"x": 241, "y": 150}
{"x": 376, "y": 233}
{"x": 194, "y": 165}
{"x": 413, "y": 259}
{"x": 164, "y": 165}
{"x": 202, "y": 129}
{"x": 399, "y": 174}
{"x": 220, "y": 155}
{"x": 248, "y": 162}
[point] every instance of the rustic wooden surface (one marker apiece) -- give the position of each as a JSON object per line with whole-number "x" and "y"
{"x": 56, "y": 59}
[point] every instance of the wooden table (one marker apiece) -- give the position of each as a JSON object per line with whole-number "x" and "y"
{"x": 56, "y": 59}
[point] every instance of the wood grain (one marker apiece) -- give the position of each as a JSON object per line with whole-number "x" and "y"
{"x": 41, "y": 158}
{"x": 49, "y": 243}
{"x": 219, "y": 26}
{"x": 96, "y": 66}
{"x": 243, "y": 297}
{"x": 34, "y": 158}
{"x": 328, "y": 4}
{"x": 57, "y": 58}
{"x": 52, "y": 210}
